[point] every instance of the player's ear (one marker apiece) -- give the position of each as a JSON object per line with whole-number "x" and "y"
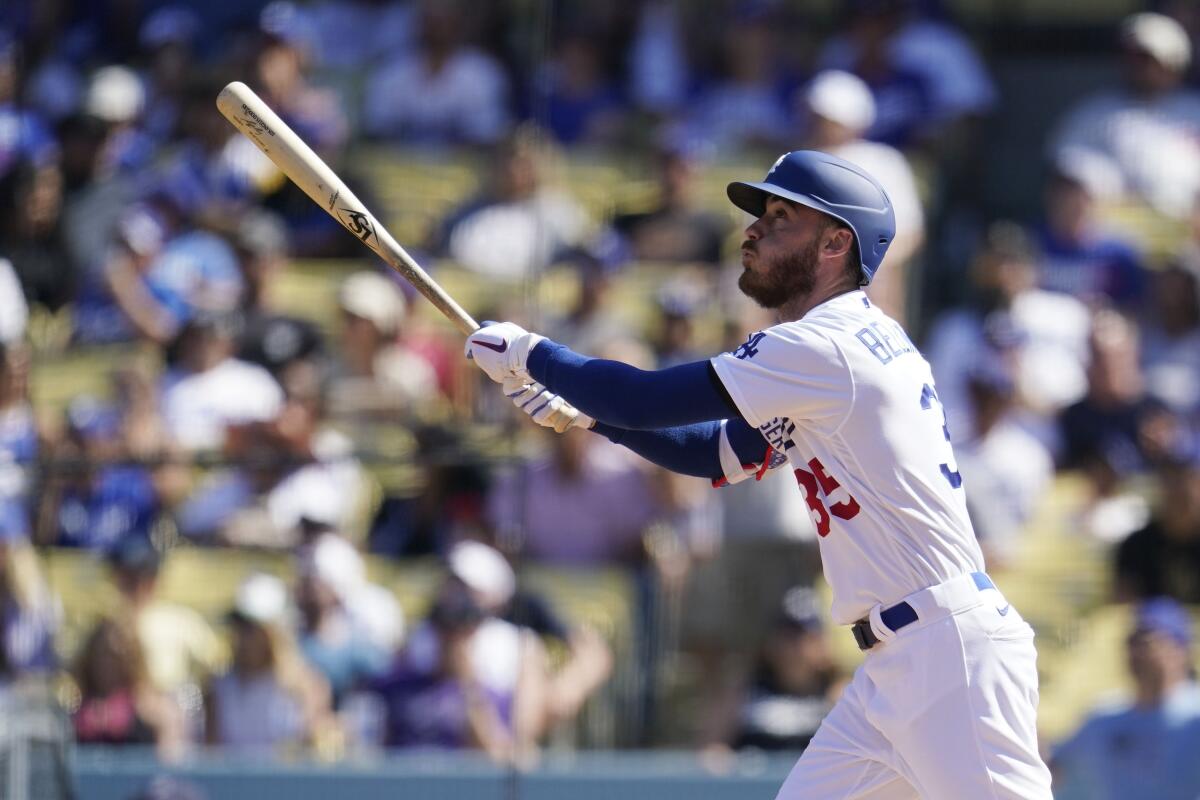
{"x": 838, "y": 240}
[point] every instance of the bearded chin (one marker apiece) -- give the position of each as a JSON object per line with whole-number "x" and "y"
{"x": 786, "y": 277}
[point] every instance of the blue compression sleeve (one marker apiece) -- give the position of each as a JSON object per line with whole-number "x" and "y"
{"x": 628, "y": 397}
{"x": 690, "y": 449}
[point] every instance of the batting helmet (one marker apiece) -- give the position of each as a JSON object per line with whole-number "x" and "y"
{"x": 832, "y": 186}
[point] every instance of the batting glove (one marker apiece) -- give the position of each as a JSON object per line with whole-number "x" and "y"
{"x": 544, "y": 407}
{"x": 501, "y": 349}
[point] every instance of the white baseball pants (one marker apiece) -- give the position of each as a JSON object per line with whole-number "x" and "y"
{"x": 943, "y": 709}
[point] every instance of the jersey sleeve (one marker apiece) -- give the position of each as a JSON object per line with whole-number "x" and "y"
{"x": 790, "y": 370}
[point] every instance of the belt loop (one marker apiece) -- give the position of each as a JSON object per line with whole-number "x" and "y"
{"x": 881, "y": 631}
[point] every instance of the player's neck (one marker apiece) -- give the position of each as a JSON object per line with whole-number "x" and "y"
{"x": 798, "y": 306}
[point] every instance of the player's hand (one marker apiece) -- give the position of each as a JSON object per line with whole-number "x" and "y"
{"x": 501, "y": 349}
{"x": 544, "y": 407}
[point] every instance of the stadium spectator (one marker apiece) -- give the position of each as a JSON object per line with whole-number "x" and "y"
{"x": 1141, "y": 749}
{"x": 14, "y": 311}
{"x": 32, "y": 237}
{"x": 375, "y": 374}
{"x": 1148, "y": 128}
{"x": 1115, "y": 430}
{"x": 441, "y": 92}
{"x": 269, "y": 338}
{"x": 584, "y": 504}
{"x": 1042, "y": 336}
{"x": 290, "y": 470}
{"x": 744, "y": 106}
{"x": 167, "y": 38}
{"x": 582, "y": 107}
{"x": 457, "y": 661}
{"x": 587, "y": 663}
{"x": 658, "y": 69}
{"x": 1007, "y": 467}
{"x": 1078, "y": 256}
{"x": 673, "y": 338}
{"x": 789, "y": 689}
{"x": 207, "y": 390}
{"x": 839, "y": 109}
{"x": 346, "y": 632}
{"x": 675, "y": 229}
{"x": 520, "y": 223}
{"x": 1171, "y": 339}
{"x": 1163, "y": 557}
{"x": 24, "y": 134}
{"x": 118, "y": 705}
{"x": 179, "y": 648}
{"x": 115, "y": 95}
{"x": 927, "y": 78}
{"x": 19, "y": 437}
{"x": 353, "y": 35}
{"x": 29, "y": 611}
{"x": 269, "y": 699}
{"x": 591, "y": 317}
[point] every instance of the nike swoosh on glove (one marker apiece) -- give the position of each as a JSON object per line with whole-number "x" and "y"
{"x": 544, "y": 407}
{"x": 501, "y": 349}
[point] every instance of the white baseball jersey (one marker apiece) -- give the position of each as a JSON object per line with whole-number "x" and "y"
{"x": 845, "y": 395}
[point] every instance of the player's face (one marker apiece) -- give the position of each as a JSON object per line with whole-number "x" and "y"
{"x": 779, "y": 255}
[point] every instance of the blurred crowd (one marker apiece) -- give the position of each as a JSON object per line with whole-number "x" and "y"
{"x": 138, "y": 227}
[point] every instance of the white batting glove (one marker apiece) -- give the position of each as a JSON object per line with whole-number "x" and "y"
{"x": 501, "y": 349}
{"x": 544, "y": 407}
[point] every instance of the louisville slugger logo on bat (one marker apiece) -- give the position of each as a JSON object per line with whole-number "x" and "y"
{"x": 357, "y": 223}
{"x": 255, "y": 123}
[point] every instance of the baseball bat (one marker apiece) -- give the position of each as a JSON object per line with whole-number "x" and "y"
{"x": 238, "y": 103}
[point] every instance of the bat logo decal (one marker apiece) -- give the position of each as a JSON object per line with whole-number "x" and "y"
{"x": 333, "y": 198}
{"x": 357, "y": 223}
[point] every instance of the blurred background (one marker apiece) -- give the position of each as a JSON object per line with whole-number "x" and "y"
{"x": 263, "y": 530}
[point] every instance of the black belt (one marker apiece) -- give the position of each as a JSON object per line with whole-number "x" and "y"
{"x": 900, "y": 615}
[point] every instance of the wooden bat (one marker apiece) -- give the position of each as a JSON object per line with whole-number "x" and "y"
{"x": 254, "y": 118}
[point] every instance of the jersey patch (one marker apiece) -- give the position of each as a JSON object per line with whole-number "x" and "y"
{"x": 778, "y": 433}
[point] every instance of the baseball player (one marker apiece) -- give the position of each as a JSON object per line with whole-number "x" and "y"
{"x": 944, "y": 705}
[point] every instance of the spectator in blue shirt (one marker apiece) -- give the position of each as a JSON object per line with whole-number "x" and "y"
{"x": 29, "y": 613}
{"x": 1144, "y": 749}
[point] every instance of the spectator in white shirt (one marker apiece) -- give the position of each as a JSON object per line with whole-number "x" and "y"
{"x": 838, "y": 109}
{"x": 443, "y": 92}
{"x": 1150, "y": 125}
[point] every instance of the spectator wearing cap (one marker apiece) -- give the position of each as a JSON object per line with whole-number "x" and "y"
{"x": 117, "y": 703}
{"x": 269, "y": 699}
{"x": 838, "y": 109}
{"x": 376, "y": 373}
{"x": 290, "y": 471}
{"x": 1149, "y": 126}
{"x": 788, "y": 691}
{"x": 673, "y": 338}
{"x": 1143, "y": 749}
{"x": 179, "y": 647}
{"x": 207, "y": 390}
{"x": 1078, "y": 256}
{"x": 29, "y": 611}
{"x": 1040, "y": 336}
{"x": 459, "y": 661}
{"x": 490, "y": 579}
{"x": 443, "y": 91}
{"x": 24, "y": 135}
{"x": 348, "y": 627}
{"x": 521, "y": 222}
{"x": 1163, "y": 557}
{"x": 675, "y": 229}
{"x": 116, "y": 96}
{"x": 1007, "y": 467}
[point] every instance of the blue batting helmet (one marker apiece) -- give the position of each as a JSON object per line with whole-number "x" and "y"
{"x": 832, "y": 186}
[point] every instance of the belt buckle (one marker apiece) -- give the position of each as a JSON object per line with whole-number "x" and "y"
{"x": 863, "y": 635}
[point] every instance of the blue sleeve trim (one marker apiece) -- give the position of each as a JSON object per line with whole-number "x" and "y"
{"x": 628, "y": 397}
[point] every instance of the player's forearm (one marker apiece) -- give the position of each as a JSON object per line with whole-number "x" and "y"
{"x": 625, "y": 396}
{"x": 690, "y": 449}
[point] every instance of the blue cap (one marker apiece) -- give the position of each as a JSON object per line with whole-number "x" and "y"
{"x": 1164, "y": 615}
{"x": 832, "y": 186}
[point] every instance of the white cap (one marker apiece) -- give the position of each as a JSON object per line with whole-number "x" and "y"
{"x": 373, "y": 297}
{"x": 261, "y": 598}
{"x": 115, "y": 94}
{"x": 1099, "y": 176}
{"x": 843, "y": 98}
{"x": 334, "y": 561}
{"x": 1160, "y": 36}
{"x": 483, "y": 570}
